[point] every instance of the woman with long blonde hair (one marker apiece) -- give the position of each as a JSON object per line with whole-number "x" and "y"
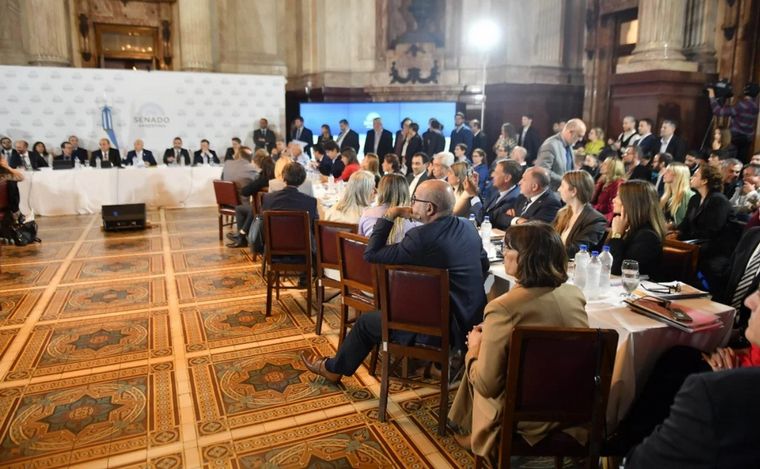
{"x": 356, "y": 198}
{"x": 393, "y": 191}
{"x": 611, "y": 176}
{"x": 371, "y": 163}
{"x": 675, "y": 200}
{"x": 577, "y": 222}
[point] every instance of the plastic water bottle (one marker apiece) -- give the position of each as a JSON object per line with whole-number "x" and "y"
{"x": 473, "y": 221}
{"x": 605, "y": 258}
{"x": 77, "y": 164}
{"x": 582, "y": 259}
{"x": 98, "y": 162}
{"x": 50, "y": 160}
{"x": 331, "y": 183}
{"x": 485, "y": 229}
{"x": 181, "y": 160}
{"x": 593, "y": 270}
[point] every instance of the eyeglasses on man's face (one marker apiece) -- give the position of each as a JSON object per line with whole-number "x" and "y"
{"x": 415, "y": 199}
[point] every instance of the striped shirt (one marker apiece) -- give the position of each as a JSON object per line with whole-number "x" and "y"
{"x": 743, "y": 115}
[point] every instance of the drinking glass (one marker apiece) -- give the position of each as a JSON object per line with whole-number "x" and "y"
{"x": 630, "y": 271}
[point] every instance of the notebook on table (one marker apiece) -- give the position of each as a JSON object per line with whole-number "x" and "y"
{"x": 670, "y": 290}
{"x": 677, "y": 315}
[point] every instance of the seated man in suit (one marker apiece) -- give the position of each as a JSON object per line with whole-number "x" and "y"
{"x": 105, "y": 153}
{"x": 230, "y": 154}
{"x": 205, "y": 155}
{"x": 537, "y": 201}
{"x": 443, "y": 241}
{"x": 176, "y": 155}
{"x": 263, "y": 137}
{"x": 379, "y": 140}
{"x": 241, "y": 171}
{"x": 67, "y": 152}
{"x": 25, "y": 159}
{"x": 713, "y": 419}
{"x": 347, "y": 137}
{"x": 441, "y": 165}
{"x": 6, "y": 149}
{"x": 504, "y": 194}
{"x": 419, "y": 172}
{"x": 79, "y": 152}
{"x": 140, "y": 156}
{"x": 331, "y": 162}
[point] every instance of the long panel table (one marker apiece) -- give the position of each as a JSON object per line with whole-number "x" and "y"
{"x": 80, "y": 191}
{"x": 641, "y": 340}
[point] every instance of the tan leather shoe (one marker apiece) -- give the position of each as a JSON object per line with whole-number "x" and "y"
{"x": 465, "y": 441}
{"x": 317, "y": 366}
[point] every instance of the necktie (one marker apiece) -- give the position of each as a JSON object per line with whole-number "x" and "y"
{"x": 743, "y": 286}
{"x": 569, "y": 157}
{"x": 298, "y": 134}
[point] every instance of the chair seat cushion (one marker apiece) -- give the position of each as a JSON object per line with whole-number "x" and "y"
{"x": 556, "y": 443}
{"x": 332, "y": 274}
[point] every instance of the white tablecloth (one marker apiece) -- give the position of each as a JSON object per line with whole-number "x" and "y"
{"x": 80, "y": 191}
{"x": 641, "y": 340}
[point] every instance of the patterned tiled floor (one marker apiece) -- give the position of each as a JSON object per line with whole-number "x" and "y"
{"x": 152, "y": 350}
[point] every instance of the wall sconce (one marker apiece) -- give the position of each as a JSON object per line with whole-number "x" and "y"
{"x": 84, "y": 32}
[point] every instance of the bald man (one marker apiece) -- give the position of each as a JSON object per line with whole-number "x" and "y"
{"x": 443, "y": 241}
{"x": 140, "y": 156}
{"x": 105, "y": 154}
{"x": 556, "y": 153}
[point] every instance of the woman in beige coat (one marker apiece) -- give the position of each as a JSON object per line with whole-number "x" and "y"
{"x": 535, "y": 255}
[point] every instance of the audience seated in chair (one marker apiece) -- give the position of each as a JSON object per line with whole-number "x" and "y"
{"x": 357, "y": 197}
{"x": 393, "y": 191}
{"x": 577, "y": 222}
{"x": 244, "y": 212}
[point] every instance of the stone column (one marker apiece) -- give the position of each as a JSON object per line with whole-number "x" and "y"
{"x": 195, "y": 35}
{"x": 44, "y": 32}
{"x": 660, "y": 42}
{"x": 700, "y": 34}
{"x": 548, "y": 45}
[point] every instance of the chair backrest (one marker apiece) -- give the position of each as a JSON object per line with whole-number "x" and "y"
{"x": 286, "y": 233}
{"x": 414, "y": 299}
{"x": 3, "y": 197}
{"x": 679, "y": 260}
{"x": 326, "y": 233}
{"x": 226, "y": 193}
{"x": 559, "y": 375}
{"x": 355, "y": 272}
{"x": 259, "y": 199}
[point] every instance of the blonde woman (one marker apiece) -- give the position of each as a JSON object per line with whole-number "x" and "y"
{"x": 595, "y": 142}
{"x": 371, "y": 163}
{"x": 577, "y": 222}
{"x": 458, "y": 173}
{"x": 393, "y": 191}
{"x": 611, "y": 175}
{"x": 278, "y": 184}
{"x": 355, "y": 199}
{"x": 675, "y": 200}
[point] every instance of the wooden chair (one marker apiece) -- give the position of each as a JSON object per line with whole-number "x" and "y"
{"x": 328, "y": 263}
{"x": 227, "y": 198}
{"x": 258, "y": 200}
{"x": 557, "y": 375}
{"x": 357, "y": 282}
{"x": 679, "y": 261}
{"x": 415, "y": 300}
{"x": 287, "y": 249}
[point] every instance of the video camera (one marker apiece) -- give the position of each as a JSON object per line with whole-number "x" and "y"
{"x": 723, "y": 88}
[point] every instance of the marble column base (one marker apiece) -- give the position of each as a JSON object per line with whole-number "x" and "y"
{"x": 658, "y": 64}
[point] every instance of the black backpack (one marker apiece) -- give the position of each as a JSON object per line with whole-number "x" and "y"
{"x": 19, "y": 234}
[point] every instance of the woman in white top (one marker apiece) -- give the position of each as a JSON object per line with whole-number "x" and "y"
{"x": 577, "y": 222}
{"x": 393, "y": 191}
{"x": 278, "y": 184}
{"x": 355, "y": 199}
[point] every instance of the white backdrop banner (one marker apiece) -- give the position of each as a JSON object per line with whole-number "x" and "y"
{"x": 49, "y": 104}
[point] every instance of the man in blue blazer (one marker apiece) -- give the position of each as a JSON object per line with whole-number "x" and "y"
{"x": 302, "y": 134}
{"x": 140, "y": 154}
{"x": 461, "y": 134}
{"x": 504, "y": 194}
{"x": 379, "y": 141}
{"x": 205, "y": 154}
{"x": 443, "y": 241}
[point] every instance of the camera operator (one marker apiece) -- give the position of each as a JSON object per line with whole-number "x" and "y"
{"x": 743, "y": 117}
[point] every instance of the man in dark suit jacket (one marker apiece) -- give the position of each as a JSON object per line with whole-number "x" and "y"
{"x": 331, "y": 162}
{"x": 528, "y": 138}
{"x": 478, "y": 136}
{"x": 461, "y": 134}
{"x": 674, "y": 144}
{"x": 105, "y": 153}
{"x": 347, "y": 138}
{"x": 741, "y": 271}
{"x": 134, "y": 157}
{"x": 418, "y": 173}
{"x": 635, "y": 167}
{"x": 443, "y": 241}
{"x": 712, "y": 423}
{"x": 302, "y": 134}
{"x": 23, "y": 158}
{"x": 433, "y": 140}
{"x": 205, "y": 154}
{"x": 81, "y": 153}
{"x": 537, "y": 201}
{"x": 6, "y": 149}
{"x": 411, "y": 146}
{"x": 176, "y": 154}
{"x": 230, "y": 154}
{"x": 263, "y": 137}
{"x": 504, "y": 195}
{"x": 649, "y": 144}
{"x": 379, "y": 141}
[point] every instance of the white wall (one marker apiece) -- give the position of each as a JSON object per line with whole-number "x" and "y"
{"x": 49, "y": 104}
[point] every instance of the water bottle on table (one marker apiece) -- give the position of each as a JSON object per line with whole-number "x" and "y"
{"x": 581, "y": 261}
{"x": 473, "y": 221}
{"x": 485, "y": 229}
{"x": 98, "y": 162}
{"x": 605, "y": 258}
{"x": 593, "y": 269}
